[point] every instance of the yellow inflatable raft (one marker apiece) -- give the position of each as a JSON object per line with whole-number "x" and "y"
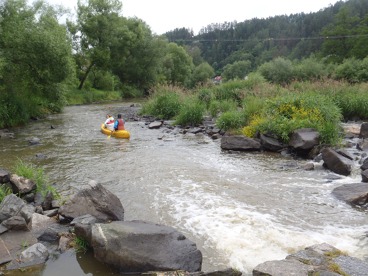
{"x": 117, "y": 133}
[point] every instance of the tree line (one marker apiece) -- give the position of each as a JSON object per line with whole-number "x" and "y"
{"x": 42, "y": 59}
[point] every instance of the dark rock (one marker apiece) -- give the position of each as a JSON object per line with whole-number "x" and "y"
{"x": 96, "y": 201}
{"x": 4, "y": 176}
{"x": 137, "y": 246}
{"x": 271, "y": 143}
{"x": 83, "y": 227}
{"x": 34, "y": 255}
{"x": 336, "y": 162}
{"x": 239, "y": 143}
{"x": 21, "y": 185}
{"x": 10, "y": 206}
{"x": 365, "y": 176}
{"x": 16, "y": 223}
{"x": 304, "y": 139}
{"x": 363, "y": 130}
{"x": 364, "y": 166}
{"x": 354, "y": 194}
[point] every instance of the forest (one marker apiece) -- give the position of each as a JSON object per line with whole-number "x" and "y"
{"x": 47, "y": 63}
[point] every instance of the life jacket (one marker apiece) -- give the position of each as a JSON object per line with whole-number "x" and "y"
{"x": 121, "y": 124}
{"x": 111, "y": 121}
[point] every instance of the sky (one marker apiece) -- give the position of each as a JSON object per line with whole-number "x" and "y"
{"x": 166, "y": 15}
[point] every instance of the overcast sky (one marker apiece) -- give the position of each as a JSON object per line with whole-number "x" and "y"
{"x": 166, "y": 15}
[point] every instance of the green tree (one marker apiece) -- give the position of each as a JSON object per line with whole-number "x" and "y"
{"x": 96, "y": 31}
{"x": 237, "y": 70}
{"x": 177, "y": 65}
{"x": 202, "y": 73}
{"x": 35, "y": 60}
{"x": 338, "y": 44}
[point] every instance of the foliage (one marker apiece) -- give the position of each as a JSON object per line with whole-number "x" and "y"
{"x": 37, "y": 175}
{"x": 191, "y": 112}
{"x": 177, "y": 65}
{"x": 35, "y": 61}
{"x": 237, "y": 70}
{"x": 231, "y": 90}
{"x": 217, "y": 107}
{"x": 279, "y": 71}
{"x": 352, "y": 70}
{"x": 80, "y": 244}
{"x": 4, "y": 191}
{"x": 202, "y": 74}
{"x": 283, "y": 115}
{"x": 230, "y": 120}
{"x": 164, "y": 102}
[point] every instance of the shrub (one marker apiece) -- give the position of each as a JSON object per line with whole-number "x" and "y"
{"x": 191, "y": 113}
{"x": 4, "y": 191}
{"x": 279, "y": 71}
{"x": 217, "y": 107}
{"x": 309, "y": 69}
{"x": 230, "y": 120}
{"x": 164, "y": 103}
{"x": 281, "y": 116}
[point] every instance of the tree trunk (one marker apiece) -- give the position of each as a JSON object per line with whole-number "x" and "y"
{"x": 85, "y": 76}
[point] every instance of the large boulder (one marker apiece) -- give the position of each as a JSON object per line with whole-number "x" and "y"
{"x": 239, "y": 143}
{"x": 11, "y": 206}
{"x": 22, "y": 185}
{"x": 96, "y": 201}
{"x": 354, "y": 194}
{"x": 271, "y": 143}
{"x": 336, "y": 162}
{"x": 36, "y": 254}
{"x": 304, "y": 139}
{"x": 138, "y": 246}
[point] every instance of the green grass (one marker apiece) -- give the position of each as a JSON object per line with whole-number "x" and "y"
{"x": 37, "y": 175}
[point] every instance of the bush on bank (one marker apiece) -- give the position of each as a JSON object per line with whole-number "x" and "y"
{"x": 255, "y": 106}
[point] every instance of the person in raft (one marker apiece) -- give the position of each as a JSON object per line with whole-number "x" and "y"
{"x": 109, "y": 123}
{"x": 119, "y": 123}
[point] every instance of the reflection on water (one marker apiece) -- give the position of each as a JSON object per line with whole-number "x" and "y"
{"x": 241, "y": 209}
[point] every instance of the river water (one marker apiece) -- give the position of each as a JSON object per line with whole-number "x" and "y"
{"x": 241, "y": 209}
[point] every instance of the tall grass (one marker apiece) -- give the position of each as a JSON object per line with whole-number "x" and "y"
{"x": 191, "y": 112}
{"x": 165, "y": 102}
{"x": 37, "y": 175}
{"x": 4, "y": 191}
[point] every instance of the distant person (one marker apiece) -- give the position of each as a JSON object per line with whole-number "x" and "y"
{"x": 109, "y": 123}
{"x": 119, "y": 123}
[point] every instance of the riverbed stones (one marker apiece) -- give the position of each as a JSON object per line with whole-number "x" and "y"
{"x": 22, "y": 185}
{"x": 4, "y": 176}
{"x": 240, "y": 143}
{"x": 336, "y": 162}
{"x": 33, "y": 255}
{"x": 355, "y": 194}
{"x": 96, "y": 201}
{"x": 319, "y": 259}
{"x": 155, "y": 124}
{"x": 304, "y": 139}
{"x": 11, "y": 206}
{"x": 139, "y": 246}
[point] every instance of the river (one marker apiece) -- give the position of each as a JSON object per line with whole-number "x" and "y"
{"x": 241, "y": 209}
